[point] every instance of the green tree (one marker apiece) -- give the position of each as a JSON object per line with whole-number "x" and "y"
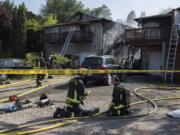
{"x": 33, "y": 24}
{"x": 20, "y": 31}
{"x": 103, "y": 12}
{"x": 6, "y": 17}
{"x": 63, "y": 9}
{"x": 50, "y": 19}
{"x": 8, "y": 4}
{"x": 14, "y": 29}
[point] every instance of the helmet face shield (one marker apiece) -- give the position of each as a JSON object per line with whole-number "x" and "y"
{"x": 115, "y": 80}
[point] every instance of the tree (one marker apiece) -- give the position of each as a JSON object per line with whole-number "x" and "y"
{"x": 33, "y": 24}
{"x": 8, "y": 4}
{"x": 20, "y": 31}
{"x": 50, "y": 20}
{"x": 63, "y": 9}
{"x": 30, "y": 15}
{"x": 14, "y": 28}
{"x": 103, "y": 12}
{"x": 6, "y": 16}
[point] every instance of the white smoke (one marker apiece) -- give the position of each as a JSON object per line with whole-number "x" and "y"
{"x": 114, "y": 34}
{"x": 130, "y": 19}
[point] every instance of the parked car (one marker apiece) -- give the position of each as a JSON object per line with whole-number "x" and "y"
{"x": 99, "y": 62}
{"x": 13, "y": 63}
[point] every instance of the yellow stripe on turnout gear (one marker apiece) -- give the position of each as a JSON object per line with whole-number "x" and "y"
{"x": 71, "y": 100}
{"x": 118, "y": 107}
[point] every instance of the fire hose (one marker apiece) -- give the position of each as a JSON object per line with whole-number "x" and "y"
{"x": 33, "y": 90}
{"x": 66, "y": 121}
{"x": 14, "y": 84}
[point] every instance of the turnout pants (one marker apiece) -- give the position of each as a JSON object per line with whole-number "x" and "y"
{"x": 78, "y": 111}
{"x": 117, "y": 110}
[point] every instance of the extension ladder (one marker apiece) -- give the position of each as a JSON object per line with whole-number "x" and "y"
{"x": 67, "y": 41}
{"x": 171, "y": 58}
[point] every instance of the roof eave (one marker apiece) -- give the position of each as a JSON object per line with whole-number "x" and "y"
{"x": 79, "y": 22}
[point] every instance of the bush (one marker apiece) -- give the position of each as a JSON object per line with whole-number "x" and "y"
{"x": 31, "y": 57}
{"x": 60, "y": 60}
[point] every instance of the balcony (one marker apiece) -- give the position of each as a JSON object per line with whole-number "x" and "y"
{"x": 154, "y": 34}
{"x": 77, "y": 37}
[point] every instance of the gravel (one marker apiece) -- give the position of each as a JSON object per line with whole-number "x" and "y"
{"x": 156, "y": 124}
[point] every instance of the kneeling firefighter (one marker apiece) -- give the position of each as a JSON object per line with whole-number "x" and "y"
{"x": 120, "y": 99}
{"x": 75, "y": 97}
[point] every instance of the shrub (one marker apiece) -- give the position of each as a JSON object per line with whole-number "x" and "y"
{"x": 61, "y": 61}
{"x": 31, "y": 57}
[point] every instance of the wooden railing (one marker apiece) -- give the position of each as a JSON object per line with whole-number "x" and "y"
{"x": 78, "y": 36}
{"x": 153, "y": 33}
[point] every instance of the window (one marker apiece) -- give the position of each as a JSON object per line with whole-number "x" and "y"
{"x": 110, "y": 61}
{"x": 151, "y": 24}
{"x": 60, "y": 29}
{"x": 92, "y": 62}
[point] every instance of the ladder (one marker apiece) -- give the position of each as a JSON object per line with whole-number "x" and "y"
{"x": 171, "y": 58}
{"x": 67, "y": 41}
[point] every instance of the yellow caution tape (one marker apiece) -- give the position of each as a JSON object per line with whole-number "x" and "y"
{"x": 78, "y": 71}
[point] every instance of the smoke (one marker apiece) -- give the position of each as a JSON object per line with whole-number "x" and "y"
{"x": 165, "y": 11}
{"x": 130, "y": 19}
{"x": 113, "y": 36}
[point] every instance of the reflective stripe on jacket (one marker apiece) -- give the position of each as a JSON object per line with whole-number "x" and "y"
{"x": 74, "y": 100}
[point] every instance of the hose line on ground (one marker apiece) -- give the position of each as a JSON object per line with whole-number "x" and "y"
{"x": 79, "y": 118}
{"x": 14, "y": 84}
{"x": 65, "y": 121}
{"x": 32, "y": 90}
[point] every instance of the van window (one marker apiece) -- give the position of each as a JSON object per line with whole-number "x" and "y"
{"x": 110, "y": 61}
{"x": 92, "y": 61}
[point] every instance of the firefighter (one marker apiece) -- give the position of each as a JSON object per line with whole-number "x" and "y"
{"x": 75, "y": 98}
{"x": 51, "y": 61}
{"x": 120, "y": 99}
{"x": 40, "y": 64}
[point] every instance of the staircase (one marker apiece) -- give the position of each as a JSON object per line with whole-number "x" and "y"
{"x": 171, "y": 58}
{"x": 67, "y": 41}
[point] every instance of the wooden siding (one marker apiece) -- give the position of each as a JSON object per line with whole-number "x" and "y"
{"x": 77, "y": 37}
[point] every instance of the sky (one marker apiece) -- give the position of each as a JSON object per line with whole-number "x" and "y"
{"x": 119, "y": 8}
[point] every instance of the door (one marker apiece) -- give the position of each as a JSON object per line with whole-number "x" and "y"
{"x": 155, "y": 62}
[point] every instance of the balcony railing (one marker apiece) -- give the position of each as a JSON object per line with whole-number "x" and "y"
{"x": 77, "y": 37}
{"x": 154, "y": 33}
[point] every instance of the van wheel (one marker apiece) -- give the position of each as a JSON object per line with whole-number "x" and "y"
{"x": 108, "y": 80}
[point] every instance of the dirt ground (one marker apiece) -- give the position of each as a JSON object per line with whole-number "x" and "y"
{"x": 155, "y": 124}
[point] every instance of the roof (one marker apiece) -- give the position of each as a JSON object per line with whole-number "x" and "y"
{"x": 155, "y": 16}
{"x": 91, "y": 19}
{"x": 82, "y": 14}
{"x": 102, "y": 56}
{"x": 80, "y": 22}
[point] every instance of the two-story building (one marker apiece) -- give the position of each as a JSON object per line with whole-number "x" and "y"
{"x": 153, "y": 37}
{"x": 87, "y": 37}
